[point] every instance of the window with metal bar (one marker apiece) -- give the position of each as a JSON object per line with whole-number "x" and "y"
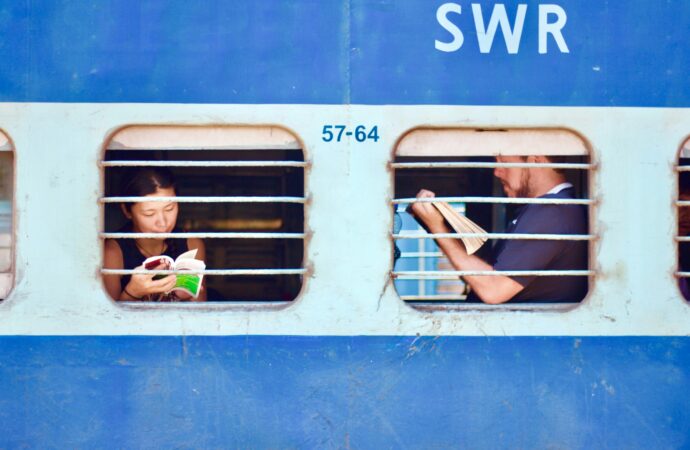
{"x": 239, "y": 189}
{"x": 6, "y": 208}
{"x": 528, "y": 188}
{"x": 683, "y": 206}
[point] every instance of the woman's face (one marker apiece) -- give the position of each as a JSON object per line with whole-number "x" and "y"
{"x": 154, "y": 217}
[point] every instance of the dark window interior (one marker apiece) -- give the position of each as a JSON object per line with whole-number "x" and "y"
{"x": 684, "y": 227}
{"x": 473, "y": 182}
{"x": 233, "y": 217}
{"x": 6, "y": 194}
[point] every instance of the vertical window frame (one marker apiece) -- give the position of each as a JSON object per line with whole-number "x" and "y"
{"x": 678, "y": 273}
{"x": 10, "y": 275}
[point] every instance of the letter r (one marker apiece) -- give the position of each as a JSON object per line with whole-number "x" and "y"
{"x": 552, "y": 28}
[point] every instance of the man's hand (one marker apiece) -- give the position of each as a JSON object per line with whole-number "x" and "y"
{"x": 491, "y": 289}
{"x": 428, "y": 214}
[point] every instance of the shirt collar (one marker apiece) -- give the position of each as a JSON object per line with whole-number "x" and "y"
{"x": 559, "y": 188}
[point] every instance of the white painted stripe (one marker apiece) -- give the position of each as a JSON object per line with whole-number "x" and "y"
{"x": 347, "y": 290}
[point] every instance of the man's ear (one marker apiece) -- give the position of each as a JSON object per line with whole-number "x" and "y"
{"x": 124, "y": 211}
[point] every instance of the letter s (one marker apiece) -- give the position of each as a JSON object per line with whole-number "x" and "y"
{"x": 442, "y": 18}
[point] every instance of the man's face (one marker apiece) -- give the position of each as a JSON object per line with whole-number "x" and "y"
{"x": 515, "y": 180}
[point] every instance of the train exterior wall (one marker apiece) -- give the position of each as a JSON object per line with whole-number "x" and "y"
{"x": 347, "y": 364}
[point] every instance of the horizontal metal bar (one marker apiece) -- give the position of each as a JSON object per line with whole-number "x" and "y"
{"x": 204, "y": 199}
{"x": 487, "y": 165}
{"x": 537, "y": 201}
{"x": 224, "y": 272}
{"x": 422, "y": 255}
{"x": 682, "y": 274}
{"x": 203, "y": 164}
{"x": 682, "y": 203}
{"x": 683, "y": 168}
{"x": 216, "y": 235}
{"x": 520, "y": 236}
{"x": 454, "y": 274}
{"x": 682, "y": 238}
{"x": 508, "y": 306}
{"x": 439, "y": 297}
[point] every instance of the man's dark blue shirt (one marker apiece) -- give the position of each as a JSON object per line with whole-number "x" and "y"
{"x": 519, "y": 254}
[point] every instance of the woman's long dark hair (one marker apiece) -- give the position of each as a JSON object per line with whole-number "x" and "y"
{"x": 143, "y": 181}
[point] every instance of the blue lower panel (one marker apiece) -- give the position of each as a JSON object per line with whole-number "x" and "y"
{"x": 333, "y": 392}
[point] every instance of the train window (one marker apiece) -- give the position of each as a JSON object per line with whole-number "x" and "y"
{"x": 6, "y": 196}
{"x": 239, "y": 191}
{"x": 529, "y": 189}
{"x": 683, "y": 236}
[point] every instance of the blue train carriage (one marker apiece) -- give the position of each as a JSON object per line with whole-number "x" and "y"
{"x": 298, "y": 128}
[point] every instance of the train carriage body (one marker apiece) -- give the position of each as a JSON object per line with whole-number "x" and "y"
{"x": 344, "y": 362}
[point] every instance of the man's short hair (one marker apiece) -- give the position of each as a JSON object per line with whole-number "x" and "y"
{"x": 556, "y": 159}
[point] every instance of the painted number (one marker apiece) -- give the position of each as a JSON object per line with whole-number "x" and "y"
{"x": 337, "y": 133}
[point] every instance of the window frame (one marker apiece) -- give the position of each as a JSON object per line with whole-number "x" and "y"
{"x": 678, "y": 273}
{"x": 564, "y": 137}
{"x": 7, "y": 146}
{"x": 171, "y": 137}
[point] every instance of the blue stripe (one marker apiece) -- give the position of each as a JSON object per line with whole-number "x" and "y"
{"x": 359, "y": 392}
{"x": 622, "y": 53}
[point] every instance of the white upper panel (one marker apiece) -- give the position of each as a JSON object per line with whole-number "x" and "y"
{"x": 348, "y": 290}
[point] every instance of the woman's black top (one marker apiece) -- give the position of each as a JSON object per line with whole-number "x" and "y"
{"x": 132, "y": 256}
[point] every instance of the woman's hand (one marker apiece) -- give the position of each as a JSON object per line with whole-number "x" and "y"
{"x": 143, "y": 284}
{"x": 428, "y": 214}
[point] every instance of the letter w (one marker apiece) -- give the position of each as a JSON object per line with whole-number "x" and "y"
{"x": 485, "y": 36}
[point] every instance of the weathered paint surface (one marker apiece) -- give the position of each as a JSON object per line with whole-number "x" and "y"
{"x": 340, "y": 367}
{"x": 349, "y": 392}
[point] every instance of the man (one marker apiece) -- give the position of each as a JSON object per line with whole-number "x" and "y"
{"x": 513, "y": 254}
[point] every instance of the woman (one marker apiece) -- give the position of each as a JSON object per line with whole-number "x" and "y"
{"x": 147, "y": 217}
